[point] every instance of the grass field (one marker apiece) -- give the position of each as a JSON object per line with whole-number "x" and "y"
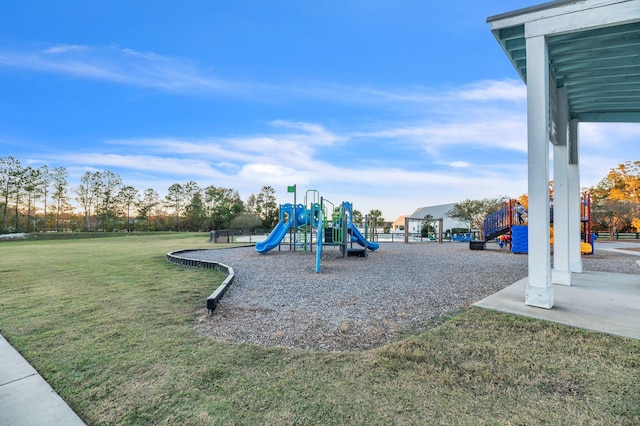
{"x": 108, "y": 322}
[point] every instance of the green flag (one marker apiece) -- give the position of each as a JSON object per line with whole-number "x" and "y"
{"x": 291, "y": 188}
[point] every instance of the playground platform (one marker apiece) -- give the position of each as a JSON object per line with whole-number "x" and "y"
{"x": 598, "y": 301}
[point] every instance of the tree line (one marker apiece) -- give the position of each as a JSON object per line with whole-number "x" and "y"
{"x": 41, "y": 199}
{"x": 615, "y": 203}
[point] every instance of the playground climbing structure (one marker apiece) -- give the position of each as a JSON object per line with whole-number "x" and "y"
{"x": 500, "y": 222}
{"x": 319, "y": 222}
{"x": 510, "y": 220}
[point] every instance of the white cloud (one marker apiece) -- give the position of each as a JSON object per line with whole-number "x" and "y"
{"x": 272, "y": 175}
{"x": 147, "y": 163}
{"x": 124, "y": 66}
{"x": 460, "y": 164}
{"x": 609, "y": 136}
{"x": 64, "y": 48}
{"x": 441, "y": 152}
{"x": 431, "y": 168}
{"x": 176, "y": 75}
{"x": 468, "y": 128}
{"x": 604, "y": 146}
{"x": 266, "y": 148}
{"x": 311, "y": 133}
{"x": 494, "y": 90}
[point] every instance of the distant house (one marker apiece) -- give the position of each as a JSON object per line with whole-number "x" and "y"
{"x": 398, "y": 225}
{"x": 436, "y": 212}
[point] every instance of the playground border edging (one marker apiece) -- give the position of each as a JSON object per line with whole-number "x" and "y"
{"x": 215, "y": 297}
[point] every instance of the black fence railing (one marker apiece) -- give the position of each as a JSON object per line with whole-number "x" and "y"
{"x": 256, "y": 235}
{"x": 619, "y": 235}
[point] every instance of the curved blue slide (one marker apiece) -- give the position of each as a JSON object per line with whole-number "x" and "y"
{"x": 360, "y": 239}
{"x": 274, "y": 237}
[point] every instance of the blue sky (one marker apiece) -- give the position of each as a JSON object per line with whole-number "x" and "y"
{"x": 392, "y": 105}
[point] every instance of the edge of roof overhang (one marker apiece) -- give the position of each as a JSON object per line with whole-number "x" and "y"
{"x": 608, "y": 117}
{"x": 530, "y": 9}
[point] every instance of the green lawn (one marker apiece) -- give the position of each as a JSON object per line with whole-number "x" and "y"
{"x": 108, "y": 323}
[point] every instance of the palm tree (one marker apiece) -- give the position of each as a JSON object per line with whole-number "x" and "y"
{"x": 377, "y": 214}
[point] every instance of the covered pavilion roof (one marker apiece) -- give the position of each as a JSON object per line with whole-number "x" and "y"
{"x": 593, "y": 48}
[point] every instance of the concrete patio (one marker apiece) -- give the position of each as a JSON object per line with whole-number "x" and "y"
{"x": 598, "y": 301}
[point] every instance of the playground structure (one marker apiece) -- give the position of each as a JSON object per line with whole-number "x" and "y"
{"x": 510, "y": 221}
{"x": 320, "y": 222}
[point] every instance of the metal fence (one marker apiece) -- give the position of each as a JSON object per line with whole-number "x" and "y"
{"x": 619, "y": 235}
{"x": 256, "y": 235}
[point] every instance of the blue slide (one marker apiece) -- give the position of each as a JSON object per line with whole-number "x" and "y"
{"x": 274, "y": 238}
{"x": 360, "y": 239}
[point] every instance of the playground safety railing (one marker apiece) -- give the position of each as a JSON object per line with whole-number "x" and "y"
{"x": 497, "y": 221}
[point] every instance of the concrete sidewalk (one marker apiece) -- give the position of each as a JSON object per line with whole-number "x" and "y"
{"x": 598, "y": 301}
{"x": 25, "y": 397}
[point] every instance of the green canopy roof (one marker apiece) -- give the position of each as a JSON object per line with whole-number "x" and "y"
{"x": 594, "y": 51}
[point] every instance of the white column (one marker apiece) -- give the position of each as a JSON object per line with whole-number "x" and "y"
{"x": 575, "y": 259}
{"x": 561, "y": 273}
{"x": 539, "y": 291}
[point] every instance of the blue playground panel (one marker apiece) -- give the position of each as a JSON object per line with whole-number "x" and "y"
{"x": 519, "y": 239}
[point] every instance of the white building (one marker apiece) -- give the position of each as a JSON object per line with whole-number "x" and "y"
{"x": 436, "y": 212}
